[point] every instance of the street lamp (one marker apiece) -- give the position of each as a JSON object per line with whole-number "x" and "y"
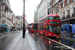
{"x": 23, "y": 19}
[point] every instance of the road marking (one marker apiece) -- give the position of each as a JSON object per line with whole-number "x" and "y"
{"x": 3, "y": 36}
{"x": 59, "y": 43}
{"x": 68, "y": 39}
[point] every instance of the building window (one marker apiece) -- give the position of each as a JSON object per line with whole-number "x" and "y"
{"x": 56, "y": 1}
{"x": 48, "y": 11}
{"x": 73, "y": 0}
{"x": 67, "y": 2}
{"x": 57, "y": 10}
{"x": 53, "y": 3}
{"x": 68, "y": 12}
{"x": 63, "y": 14}
{"x": 63, "y": 4}
{"x": 53, "y": 11}
{"x": 48, "y": 4}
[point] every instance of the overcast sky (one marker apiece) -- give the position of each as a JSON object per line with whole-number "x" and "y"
{"x": 30, "y": 7}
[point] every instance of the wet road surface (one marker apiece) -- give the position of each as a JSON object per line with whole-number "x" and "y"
{"x": 8, "y": 37}
{"x": 38, "y": 42}
{"x": 43, "y": 43}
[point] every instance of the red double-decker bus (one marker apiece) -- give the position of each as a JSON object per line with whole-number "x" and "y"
{"x": 50, "y": 26}
{"x": 35, "y": 28}
{"x": 30, "y": 27}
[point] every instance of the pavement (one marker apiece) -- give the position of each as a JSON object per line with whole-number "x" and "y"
{"x": 20, "y": 43}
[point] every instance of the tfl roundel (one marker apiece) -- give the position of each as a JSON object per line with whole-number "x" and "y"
{"x": 23, "y": 15}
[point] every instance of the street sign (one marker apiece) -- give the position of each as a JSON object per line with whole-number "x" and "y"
{"x": 23, "y": 15}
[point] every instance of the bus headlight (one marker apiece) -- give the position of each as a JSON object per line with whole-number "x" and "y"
{"x": 49, "y": 34}
{"x": 49, "y": 42}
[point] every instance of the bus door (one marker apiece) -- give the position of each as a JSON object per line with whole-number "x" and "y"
{"x": 46, "y": 27}
{"x": 41, "y": 30}
{"x": 46, "y": 30}
{"x": 35, "y": 27}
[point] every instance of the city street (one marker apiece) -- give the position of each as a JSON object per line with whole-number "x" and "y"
{"x": 14, "y": 41}
{"x": 47, "y": 25}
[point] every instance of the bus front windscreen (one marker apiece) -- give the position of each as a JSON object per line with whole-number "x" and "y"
{"x": 35, "y": 27}
{"x": 54, "y": 28}
{"x": 30, "y": 26}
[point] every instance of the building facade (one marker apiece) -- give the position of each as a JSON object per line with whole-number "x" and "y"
{"x": 55, "y": 7}
{"x": 5, "y": 14}
{"x": 2, "y": 12}
{"x": 68, "y": 15}
{"x": 43, "y": 9}
{"x": 35, "y": 17}
{"x": 19, "y": 22}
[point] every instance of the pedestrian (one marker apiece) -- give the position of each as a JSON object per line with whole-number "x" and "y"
{"x": 61, "y": 32}
{"x": 24, "y": 30}
{"x": 65, "y": 30}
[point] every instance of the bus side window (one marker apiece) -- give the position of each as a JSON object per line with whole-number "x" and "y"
{"x": 47, "y": 27}
{"x": 45, "y": 19}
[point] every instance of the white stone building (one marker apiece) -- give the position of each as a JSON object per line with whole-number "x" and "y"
{"x": 43, "y": 9}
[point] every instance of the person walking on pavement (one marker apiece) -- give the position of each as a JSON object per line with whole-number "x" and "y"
{"x": 24, "y": 32}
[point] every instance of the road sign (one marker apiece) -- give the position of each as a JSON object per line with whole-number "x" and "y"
{"x": 23, "y": 15}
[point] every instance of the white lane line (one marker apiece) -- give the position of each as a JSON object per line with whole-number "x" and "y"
{"x": 62, "y": 44}
{"x": 3, "y": 36}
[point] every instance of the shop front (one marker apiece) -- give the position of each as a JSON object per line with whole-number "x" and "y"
{"x": 68, "y": 28}
{"x": 2, "y": 28}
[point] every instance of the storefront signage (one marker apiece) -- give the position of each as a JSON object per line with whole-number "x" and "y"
{"x": 2, "y": 25}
